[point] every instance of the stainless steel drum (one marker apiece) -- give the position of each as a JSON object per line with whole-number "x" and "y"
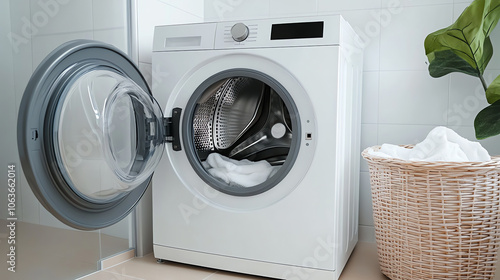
{"x": 242, "y": 118}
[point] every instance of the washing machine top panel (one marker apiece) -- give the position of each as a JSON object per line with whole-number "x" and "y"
{"x": 262, "y": 33}
{"x": 90, "y": 134}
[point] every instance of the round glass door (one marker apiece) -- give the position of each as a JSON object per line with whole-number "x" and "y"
{"x": 96, "y": 124}
{"x": 90, "y": 134}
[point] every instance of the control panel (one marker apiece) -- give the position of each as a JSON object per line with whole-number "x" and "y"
{"x": 263, "y": 33}
{"x": 302, "y": 31}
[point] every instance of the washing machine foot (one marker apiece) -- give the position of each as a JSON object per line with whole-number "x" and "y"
{"x": 160, "y": 261}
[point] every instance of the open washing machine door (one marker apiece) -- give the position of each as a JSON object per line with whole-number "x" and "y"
{"x": 90, "y": 134}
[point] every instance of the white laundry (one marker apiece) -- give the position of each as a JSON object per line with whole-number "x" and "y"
{"x": 244, "y": 173}
{"x": 441, "y": 144}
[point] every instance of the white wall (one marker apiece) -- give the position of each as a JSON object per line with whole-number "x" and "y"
{"x": 8, "y": 153}
{"x": 401, "y": 102}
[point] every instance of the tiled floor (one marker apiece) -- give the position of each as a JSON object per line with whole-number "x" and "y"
{"x": 44, "y": 253}
{"x": 363, "y": 265}
{"x": 47, "y": 253}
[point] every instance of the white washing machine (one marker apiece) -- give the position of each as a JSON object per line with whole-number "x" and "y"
{"x": 300, "y": 82}
{"x": 255, "y": 164}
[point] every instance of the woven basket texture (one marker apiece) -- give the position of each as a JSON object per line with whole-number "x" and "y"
{"x": 436, "y": 220}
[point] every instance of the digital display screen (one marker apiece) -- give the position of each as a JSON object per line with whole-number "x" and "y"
{"x": 300, "y": 30}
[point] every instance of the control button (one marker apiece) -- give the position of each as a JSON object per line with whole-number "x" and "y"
{"x": 239, "y": 32}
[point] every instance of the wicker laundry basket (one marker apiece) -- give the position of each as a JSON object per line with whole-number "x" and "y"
{"x": 436, "y": 220}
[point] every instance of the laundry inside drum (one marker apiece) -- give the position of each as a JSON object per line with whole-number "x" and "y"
{"x": 242, "y": 131}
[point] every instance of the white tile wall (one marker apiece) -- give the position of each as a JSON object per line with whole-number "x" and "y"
{"x": 299, "y": 7}
{"x": 51, "y": 17}
{"x": 370, "y": 136}
{"x": 403, "y": 35}
{"x": 341, "y": 6}
{"x": 28, "y": 208}
{"x": 110, "y": 23}
{"x": 495, "y": 40}
{"x": 365, "y": 200}
{"x": 401, "y": 102}
{"x": 371, "y": 89}
{"x": 22, "y": 48}
{"x": 458, "y": 8}
{"x": 193, "y": 7}
{"x": 412, "y": 97}
{"x": 408, "y": 3}
{"x": 402, "y": 133}
{"x": 109, "y": 14}
{"x": 8, "y": 110}
{"x": 217, "y": 10}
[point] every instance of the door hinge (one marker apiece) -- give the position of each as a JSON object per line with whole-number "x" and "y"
{"x": 172, "y": 127}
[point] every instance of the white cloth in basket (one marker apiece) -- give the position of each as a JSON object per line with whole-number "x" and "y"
{"x": 441, "y": 144}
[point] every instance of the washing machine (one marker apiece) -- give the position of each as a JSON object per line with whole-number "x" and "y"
{"x": 250, "y": 136}
{"x": 282, "y": 91}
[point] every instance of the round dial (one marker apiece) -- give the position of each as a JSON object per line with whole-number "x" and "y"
{"x": 239, "y": 32}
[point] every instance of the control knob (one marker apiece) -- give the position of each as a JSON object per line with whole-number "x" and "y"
{"x": 239, "y": 32}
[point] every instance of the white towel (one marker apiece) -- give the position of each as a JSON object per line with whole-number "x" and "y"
{"x": 244, "y": 173}
{"x": 441, "y": 144}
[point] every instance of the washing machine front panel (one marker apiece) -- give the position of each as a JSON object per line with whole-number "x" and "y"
{"x": 300, "y": 203}
{"x": 192, "y": 89}
{"x": 297, "y": 226}
{"x": 90, "y": 134}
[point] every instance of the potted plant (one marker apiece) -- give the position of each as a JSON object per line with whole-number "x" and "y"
{"x": 465, "y": 47}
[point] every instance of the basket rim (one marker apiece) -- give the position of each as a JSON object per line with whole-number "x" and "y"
{"x": 493, "y": 163}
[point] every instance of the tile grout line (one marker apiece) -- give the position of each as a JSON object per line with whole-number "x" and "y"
{"x": 107, "y": 271}
{"x": 209, "y": 276}
{"x": 117, "y": 255}
{"x": 120, "y": 263}
{"x": 128, "y": 276}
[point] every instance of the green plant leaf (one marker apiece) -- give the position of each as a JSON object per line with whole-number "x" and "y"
{"x": 446, "y": 62}
{"x": 487, "y": 122}
{"x": 493, "y": 91}
{"x": 464, "y": 46}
